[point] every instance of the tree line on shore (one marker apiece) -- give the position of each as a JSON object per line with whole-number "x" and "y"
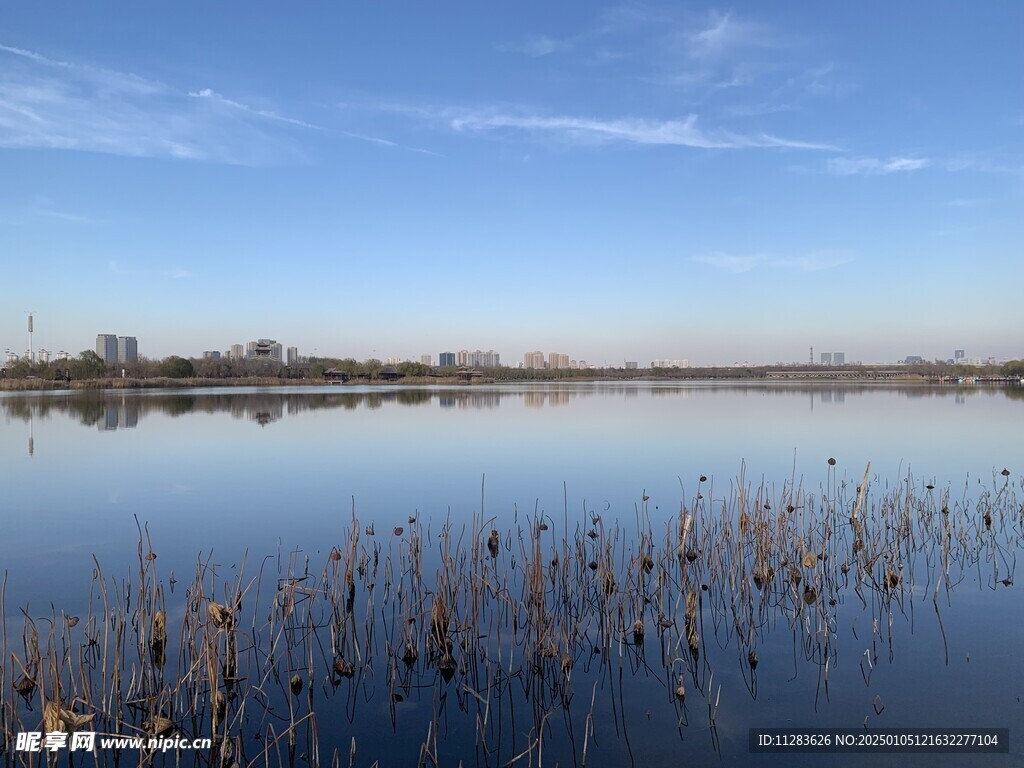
{"x": 89, "y": 365}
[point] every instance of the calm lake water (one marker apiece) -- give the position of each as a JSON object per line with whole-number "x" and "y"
{"x": 240, "y": 474}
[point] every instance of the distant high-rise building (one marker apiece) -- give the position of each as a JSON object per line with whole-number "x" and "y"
{"x": 959, "y": 355}
{"x": 446, "y": 359}
{"x": 826, "y": 358}
{"x": 557, "y": 360}
{"x": 425, "y": 360}
{"x": 236, "y": 352}
{"x": 462, "y": 358}
{"x": 106, "y": 347}
{"x": 838, "y": 358}
{"x": 480, "y": 359}
{"x": 293, "y": 355}
{"x": 533, "y": 360}
{"x": 127, "y": 349}
{"x": 211, "y": 355}
{"x": 630, "y": 365}
{"x": 913, "y": 359}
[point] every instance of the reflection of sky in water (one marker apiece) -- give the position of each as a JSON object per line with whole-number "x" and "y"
{"x": 220, "y": 466}
{"x": 232, "y": 471}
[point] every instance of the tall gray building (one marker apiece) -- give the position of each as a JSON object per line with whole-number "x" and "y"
{"x": 293, "y": 355}
{"x": 127, "y": 349}
{"x": 838, "y": 358}
{"x": 106, "y": 347}
{"x": 826, "y": 358}
{"x": 446, "y": 359}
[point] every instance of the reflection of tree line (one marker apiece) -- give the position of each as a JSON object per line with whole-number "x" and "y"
{"x": 124, "y": 411}
{"x": 109, "y": 412}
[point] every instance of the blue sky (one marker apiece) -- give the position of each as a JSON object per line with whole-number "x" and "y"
{"x": 639, "y": 181}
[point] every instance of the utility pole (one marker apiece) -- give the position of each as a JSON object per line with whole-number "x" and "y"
{"x": 31, "y": 351}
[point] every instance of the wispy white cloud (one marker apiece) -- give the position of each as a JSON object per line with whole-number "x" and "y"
{"x": 629, "y": 130}
{"x": 47, "y": 103}
{"x": 68, "y": 216}
{"x": 874, "y": 166}
{"x": 724, "y": 34}
{"x": 179, "y": 274}
{"x": 207, "y": 93}
{"x": 738, "y": 264}
{"x": 537, "y": 46}
{"x": 730, "y": 262}
{"x": 389, "y": 143}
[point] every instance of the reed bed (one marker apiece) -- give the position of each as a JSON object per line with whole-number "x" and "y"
{"x": 508, "y": 633}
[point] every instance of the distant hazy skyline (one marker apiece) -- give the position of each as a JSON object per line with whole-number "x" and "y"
{"x": 623, "y": 181}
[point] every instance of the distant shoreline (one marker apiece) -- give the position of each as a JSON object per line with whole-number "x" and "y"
{"x": 45, "y": 385}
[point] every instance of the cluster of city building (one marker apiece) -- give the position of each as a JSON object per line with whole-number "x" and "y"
{"x": 670, "y": 364}
{"x": 555, "y": 361}
{"x": 32, "y": 354}
{"x": 260, "y": 349}
{"x": 833, "y": 358}
{"x": 959, "y": 358}
{"x": 466, "y": 359}
{"x": 113, "y": 349}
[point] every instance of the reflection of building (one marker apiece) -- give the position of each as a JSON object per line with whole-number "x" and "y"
{"x": 122, "y": 415}
{"x": 262, "y": 410}
{"x": 106, "y": 347}
{"x": 540, "y": 399}
{"x": 477, "y": 400}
